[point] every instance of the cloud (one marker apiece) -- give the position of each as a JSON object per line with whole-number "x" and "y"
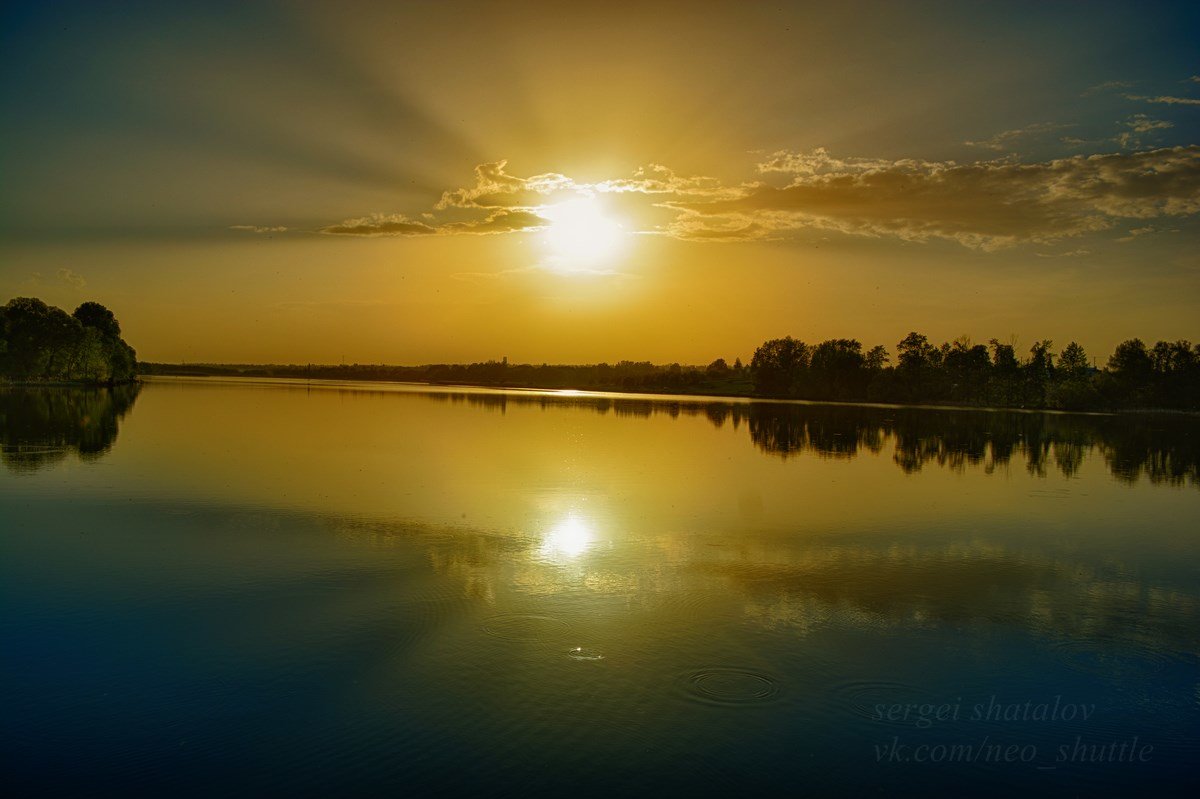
{"x": 380, "y": 225}
{"x": 495, "y": 188}
{"x": 259, "y": 228}
{"x": 71, "y": 278}
{"x": 1140, "y": 123}
{"x": 694, "y": 227}
{"x": 1075, "y": 141}
{"x": 1107, "y": 86}
{"x": 658, "y": 179}
{"x": 1004, "y": 140}
{"x": 986, "y": 205}
{"x": 501, "y": 221}
{"x": 1068, "y": 254}
{"x": 481, "y": 277}
{"x": 1137, "y": 231}
{"x": 820, "y": 161}
{"x": 1164, "y": 99}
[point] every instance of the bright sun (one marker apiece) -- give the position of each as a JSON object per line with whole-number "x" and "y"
{"x": 569, "y": 539}
{"x": 581, "y": 236}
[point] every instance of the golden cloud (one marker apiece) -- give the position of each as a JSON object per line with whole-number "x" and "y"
{"x": 985, "y": 205}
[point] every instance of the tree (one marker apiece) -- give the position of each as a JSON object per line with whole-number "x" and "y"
{"x": 876, "y": 358}
{"x": 27, "y": 326}
{"x": 1073, "y": 360}
{"x": 966, "y": 367}
{"x": 93, "y": 314}
{"x": 1004, "y": 357}
{"x": 837, "y": 355}
{"x": 965, "y": 361}
{"x": 778, "y": 364}
{"x": 717, "y": 367}
{"x": 42, "y": 342}
{"x": 914, "y": 352}
{"x": 1038, "y": 371}
{"x": 1172, "y": 357}
{"x": 1131, "y": 361}
{"x": 836, "y": 367}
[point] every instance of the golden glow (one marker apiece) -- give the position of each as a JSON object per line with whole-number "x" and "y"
{"x": 581, "y": 236}
{"x": 569, "y": 539}
{"x": 616, "y": 138}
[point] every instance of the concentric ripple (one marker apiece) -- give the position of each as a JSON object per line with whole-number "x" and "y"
{"x": 1108, "y": 658}
{"x": 730, "y": 686}
{"x": 524, "y": 627}
{"x": 862, "y": 698}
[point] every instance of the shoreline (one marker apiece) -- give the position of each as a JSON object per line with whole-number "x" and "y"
{"x": 662, "y": 394}
{"x": 68, "y": 383}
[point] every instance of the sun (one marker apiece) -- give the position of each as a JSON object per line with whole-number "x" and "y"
{"x": 581, "y": 235}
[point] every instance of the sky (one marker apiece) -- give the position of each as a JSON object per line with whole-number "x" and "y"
{"x": 415, "y": 182}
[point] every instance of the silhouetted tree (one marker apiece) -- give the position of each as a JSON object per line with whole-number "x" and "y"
{"x": 1131, "y": 361}
{"x": 1073, "y": 360}
{"x": 1038, "y": 371}
{"x": 877, "y": 358}
{"x": 836, "y": 369}
{"x": 41, "y": 342}
{"x": 967, "y": 367}
{"x": 778, "y": 364}
{"x": 914, "y": 352}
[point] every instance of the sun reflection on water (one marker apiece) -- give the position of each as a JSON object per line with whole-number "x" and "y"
{"x": 567, "y": 540}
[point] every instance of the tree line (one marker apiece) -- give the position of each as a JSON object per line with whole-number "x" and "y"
{"x": 1166, "y": 375}
{"x": 718, "y": 377}
{"x": 39, "y": 342}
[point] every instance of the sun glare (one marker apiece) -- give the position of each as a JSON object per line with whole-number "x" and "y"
{"x": 581, "y": 236}
{"x": 569, "y": 539}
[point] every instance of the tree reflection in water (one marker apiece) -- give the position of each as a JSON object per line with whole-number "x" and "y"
{"x": 42, "y": 425}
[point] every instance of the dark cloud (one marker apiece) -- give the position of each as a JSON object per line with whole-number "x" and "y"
{"x": 400, "y": 225}
{"x": 259, "y": 228}
{"x": 1006, "y": 139}
{"x": 381, "y": 225}
{"x": 499, "y": 222}
{"x": 986, "y": 205}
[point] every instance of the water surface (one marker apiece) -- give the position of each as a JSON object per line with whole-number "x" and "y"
{"x": 247, "y": 587}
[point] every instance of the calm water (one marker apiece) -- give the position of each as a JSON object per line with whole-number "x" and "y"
{"x": 229, "y": 587}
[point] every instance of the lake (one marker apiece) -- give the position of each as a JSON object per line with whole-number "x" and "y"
{"x": 273, "y": 587}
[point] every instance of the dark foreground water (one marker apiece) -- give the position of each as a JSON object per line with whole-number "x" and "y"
{"x": 221, "y": 588}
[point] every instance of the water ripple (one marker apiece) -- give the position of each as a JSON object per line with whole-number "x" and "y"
{"x": 729, "y": 686}
{"x": 861, "y": 697}
{"x": 524, "y": 627}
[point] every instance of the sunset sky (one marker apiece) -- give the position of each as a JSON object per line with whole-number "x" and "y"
{"x": 423, "y": 182}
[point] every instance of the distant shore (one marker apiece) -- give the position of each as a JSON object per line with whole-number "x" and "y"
{"x": 731, "y": 389}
